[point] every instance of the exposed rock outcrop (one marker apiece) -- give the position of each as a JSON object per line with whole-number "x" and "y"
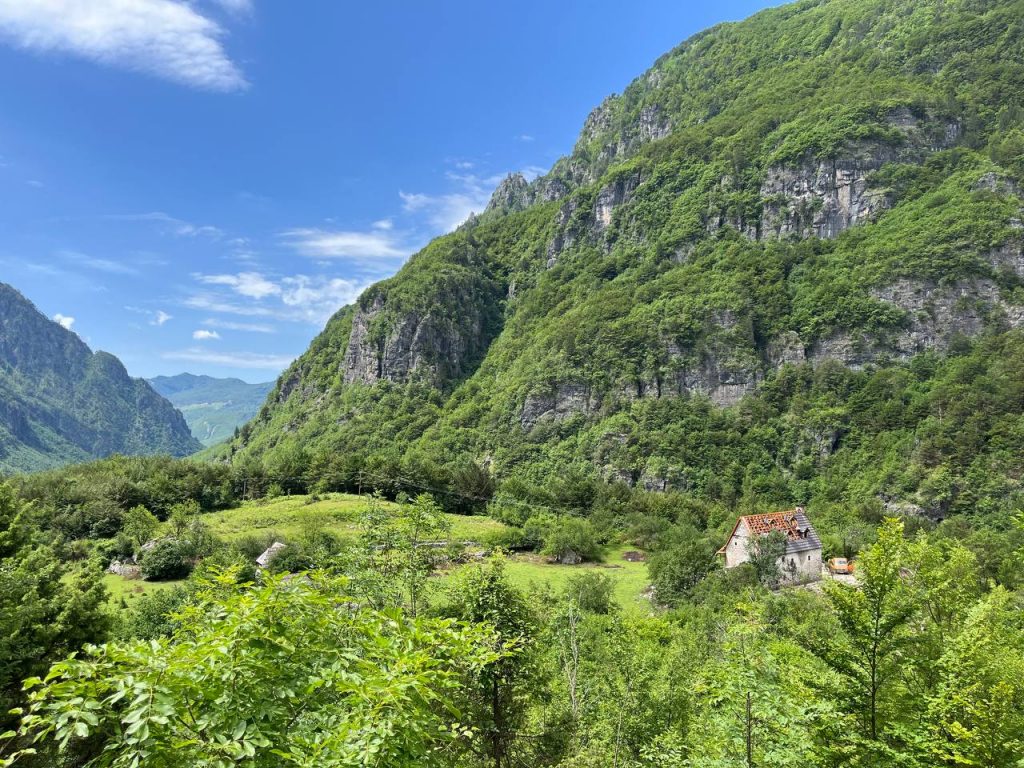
{"x": 612, "y": 196}
{"x": 824, "y": 195}
{"x": 425, "y": 346}
{"x": 564, "y": 400}
{"x": 936, "y": 315}
{"x": 512, "y": 194}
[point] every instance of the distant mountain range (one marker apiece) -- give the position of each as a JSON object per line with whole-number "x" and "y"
{"x": 212, "y": 407}
{"x": 60, "y": 402}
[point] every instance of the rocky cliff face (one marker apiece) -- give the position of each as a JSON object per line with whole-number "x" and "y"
{"x": 426, "y": 346}
{"x": 62, "y": 402}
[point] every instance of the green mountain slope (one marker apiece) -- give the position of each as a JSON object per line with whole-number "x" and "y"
{"x": 62, "y": 403}
{"x": 213, "y": 408}
{"x": 786, "y": 265}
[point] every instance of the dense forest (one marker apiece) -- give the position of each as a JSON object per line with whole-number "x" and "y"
{"x": 785, "y": 267}
{"x": 382, "y": 648}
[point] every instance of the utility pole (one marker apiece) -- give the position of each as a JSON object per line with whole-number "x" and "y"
{"x": 750, "y": 741}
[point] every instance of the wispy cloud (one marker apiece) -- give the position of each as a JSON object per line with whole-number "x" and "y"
{"x": 296, "y": 298}
{"x": 167, "y": 223}
{"x": 231, "y": 325}
{"x": 100, "y": 265}
{"x": 232, "y": 359}
{"x": 525, "y": 137}
{"x": 445, "y": 212}
{"x": 157, "y": 317}
{"x": 251, "y": 284}
{"x": 235, "y": 6}
{"x": 205, "y": 335}
{"x": 166, "y": 38}
{"x": 64, "y": 320}
{"x": 35, "y": 183}
{"x": 342, "y": 244}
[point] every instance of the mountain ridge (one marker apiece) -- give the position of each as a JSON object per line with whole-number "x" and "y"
{"x": 824, "y": 184}
{"x": 62, "y": 402}
{"x": 213, "y": 407}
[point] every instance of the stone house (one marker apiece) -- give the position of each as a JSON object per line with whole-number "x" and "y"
{"x": 269, "y": 554}
{"x": 802, "y": 560}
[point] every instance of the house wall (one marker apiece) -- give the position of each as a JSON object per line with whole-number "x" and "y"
{"x": 805, "y": 566}
{"x": 736, "y": 551}
{"x": 800, "y": 566}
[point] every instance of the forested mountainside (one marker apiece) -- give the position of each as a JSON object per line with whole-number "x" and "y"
{"x": 785, "y": 264}
{"x": 60, "y": 402}
{"x": 213, "y": 408}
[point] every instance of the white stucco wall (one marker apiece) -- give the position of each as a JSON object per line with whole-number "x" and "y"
{"x": 736, "y": 551}
{"x": 795, "y": 568}
{"x": 801, "y": 566}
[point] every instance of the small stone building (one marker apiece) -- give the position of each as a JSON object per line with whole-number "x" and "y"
{"x": 802, "y": 560}
{"x": 269, "y": 554}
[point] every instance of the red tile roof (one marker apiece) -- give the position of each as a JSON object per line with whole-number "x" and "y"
{"x": 800, "y": 534}
{"x": 759, "y": 525}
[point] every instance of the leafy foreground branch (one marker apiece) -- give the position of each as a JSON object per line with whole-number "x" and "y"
{"x": 292, "y": 673}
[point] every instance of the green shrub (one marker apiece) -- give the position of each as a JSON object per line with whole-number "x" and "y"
{"x": 168, "y": 559}
{"x": 571, "y": 536}
{"x": 592, "y": 591}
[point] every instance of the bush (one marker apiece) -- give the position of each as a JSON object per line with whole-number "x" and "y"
{"x": 683, "y": 561}
{"x": 510, "y": 539}
{"x": 571, "y": 537}
{"x": 168, "y": 559}
{"x": 592, "y": 592}
{"x": 536, "y": 530}
{"x": 151, "y": 618}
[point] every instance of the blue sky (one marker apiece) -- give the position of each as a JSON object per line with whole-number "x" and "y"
{"x": 199, "y": 185}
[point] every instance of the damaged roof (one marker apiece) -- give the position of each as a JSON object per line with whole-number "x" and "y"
{"x": 800, "y": 534}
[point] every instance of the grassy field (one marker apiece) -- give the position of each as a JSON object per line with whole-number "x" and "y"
{"x": 131, "y": 589}
{"x": 530, "y": 571}
{"x": 287, "y": 517}
{"x": 335, "y": 512}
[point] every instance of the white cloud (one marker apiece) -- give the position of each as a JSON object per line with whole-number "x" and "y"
{"x": 232, "y": 359}
{"x": 160, "y": 318}
{"x": 384, "y": 224}
{"x": 166, "y": 38}
{"x": 214, "y": 303}
{"x": 524, "y": 137}
{"x": 204, "y": 335}
{"x": 250, "y": 284}
{"x": 321, "y": 296}
{"x": 230, "y": 325}
{"x": 34, "y": 182}
{"x": 301, "y": 298}
{"x": 339, "y": 244}
{"x": 64, "y": 320}
{"x": 447, "y": 211}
